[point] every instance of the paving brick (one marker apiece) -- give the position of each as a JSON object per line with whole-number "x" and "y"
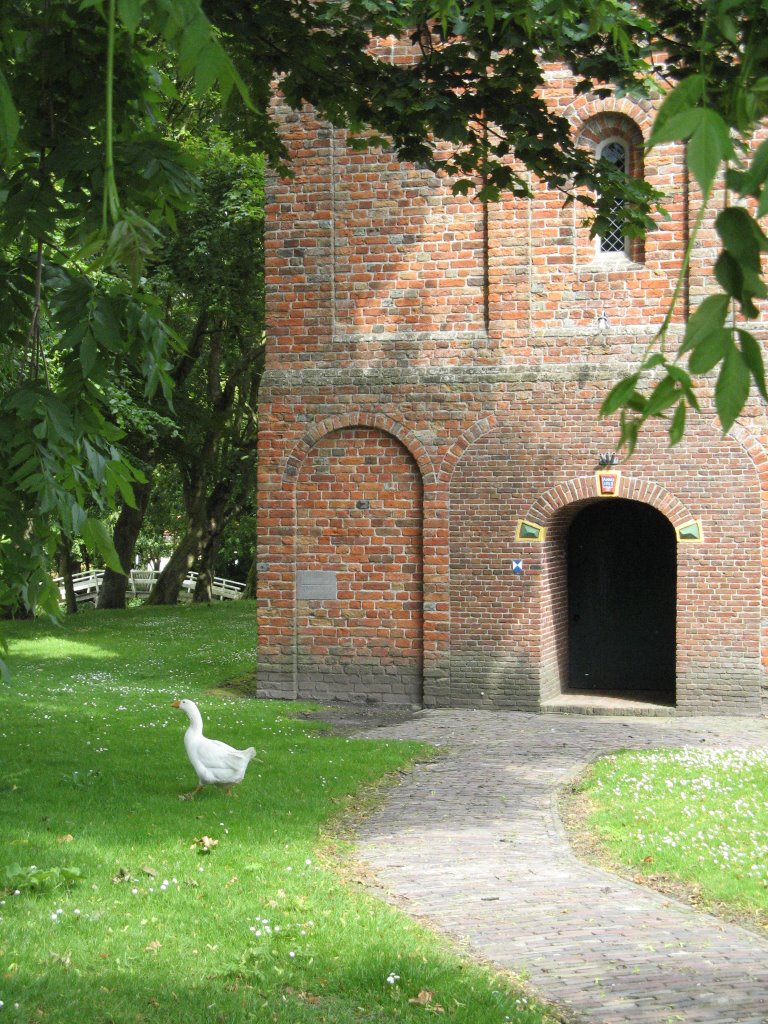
{"x": 473, "y": 842}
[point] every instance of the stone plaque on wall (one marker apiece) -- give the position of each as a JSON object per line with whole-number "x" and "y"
{"x": 315, "y": 585}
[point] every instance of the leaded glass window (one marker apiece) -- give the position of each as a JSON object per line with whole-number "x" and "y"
{"x": 614, "y": 239}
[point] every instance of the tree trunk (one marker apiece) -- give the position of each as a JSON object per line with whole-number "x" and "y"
{"x": 115, "y": 584}
{"x": 215, "y": 522}
{"x": 203, "y": 513}
{"x": 250, "y": 579}
{"x": 204, "y": 583}
{"x": 67, "y": 570}
{"x": 206, "y": 569}
{"x": 166, "y": 589}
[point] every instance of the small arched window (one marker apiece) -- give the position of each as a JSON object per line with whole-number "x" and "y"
{"x": 617, "y": 139}
{"x": 614, "y": 240}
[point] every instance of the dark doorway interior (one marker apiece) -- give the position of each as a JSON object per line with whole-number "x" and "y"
{"x": 622, "y": 595}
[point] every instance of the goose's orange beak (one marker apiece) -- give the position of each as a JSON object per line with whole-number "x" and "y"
{"x": 175, "y": 704}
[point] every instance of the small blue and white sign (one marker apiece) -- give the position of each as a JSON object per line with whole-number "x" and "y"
{"x": 517, "y": 566}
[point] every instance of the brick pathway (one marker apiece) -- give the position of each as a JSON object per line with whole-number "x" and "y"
{"x": 473, "y": 842}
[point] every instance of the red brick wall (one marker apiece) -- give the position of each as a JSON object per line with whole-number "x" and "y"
{"x": 383, "y": 381}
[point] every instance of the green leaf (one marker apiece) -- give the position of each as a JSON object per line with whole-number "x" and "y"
{"x": 732, "y": 388}
{"x": 709, "y": 145}
{"x": 27, "y": 473}
{"x": 9, "y": 120}
{"x": 709, "y": 141}
{"x": 677, "y": 426}
{"x": 96, "y": 462}
{"x": 709, "y": 350}
{"x": 130, "y": 12}
{"x": 619, "y": 395}
{"x": 727, "y": 27}
{"x": 657, "y": 359}
{"x": 741, "y": 235}
{"x": 680, "y": 127}
{"x": 630, "y": 428}
{"x": 753, "y": 357}
{"x": 208, "y": 68}
{"x": 709, "y": 316}
{"x": 195, "y": 38}
{"x": 105, "y": 324}
{"x": 678, "y": 374}
{"x": 683, "y": 97}
{"x": 664, "y": 395}
{"x": 78, "y": 518}
{"x": 489, "y": 11}
{"x": 88, "y": 354}
{"x": 729, "y": 275}
{"x": 749, "y": 182}
{"x": 60, "y": 419}
{"x": 98, "y": 539}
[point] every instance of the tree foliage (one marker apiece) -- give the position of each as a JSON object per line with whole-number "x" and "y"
{"x": 92, "y": 185}
{"x": 210, "y": 279}
{"x": 714, "y": 59}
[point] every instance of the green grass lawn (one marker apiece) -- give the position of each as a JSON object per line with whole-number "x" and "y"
{"x": 696, "y": 815}
{"x": 268, "y": 924}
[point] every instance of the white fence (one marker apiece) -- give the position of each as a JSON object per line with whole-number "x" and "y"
{"x": 140, "y": 582}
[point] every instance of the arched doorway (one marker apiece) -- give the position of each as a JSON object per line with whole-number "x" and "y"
{"x": 622, "y": 596}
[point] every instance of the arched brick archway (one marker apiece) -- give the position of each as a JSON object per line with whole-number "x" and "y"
{"x": 359, "y": 568}
{"x": 657, "y": 513}
{"x": 378, "y": 421}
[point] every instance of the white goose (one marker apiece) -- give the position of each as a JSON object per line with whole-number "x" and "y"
{"x": 216, "y": 763}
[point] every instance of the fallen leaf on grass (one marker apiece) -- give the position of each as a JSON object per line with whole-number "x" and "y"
{"x": 68, "y": 838}
{"x": 424, "y": 998}
{"x": 307, "y": 997}
{"x": 204, "y": 844}
{"x": 152, "y": 947}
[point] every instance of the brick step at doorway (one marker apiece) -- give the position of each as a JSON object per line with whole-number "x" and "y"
{"x": 585, "y": 703}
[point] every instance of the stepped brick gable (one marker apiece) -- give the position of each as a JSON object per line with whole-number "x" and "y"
{"x": 433, "y": 530}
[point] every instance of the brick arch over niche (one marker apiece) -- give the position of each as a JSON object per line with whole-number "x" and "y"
{"x": 611, "y": 125}
{"x": 462, "y": 443}
{"x": 377, "y": 421}
{"x": 583, "y": 108}
{"x": 358, "y": 513}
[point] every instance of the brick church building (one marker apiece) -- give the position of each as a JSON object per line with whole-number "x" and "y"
{"x": 435, "y": 527}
